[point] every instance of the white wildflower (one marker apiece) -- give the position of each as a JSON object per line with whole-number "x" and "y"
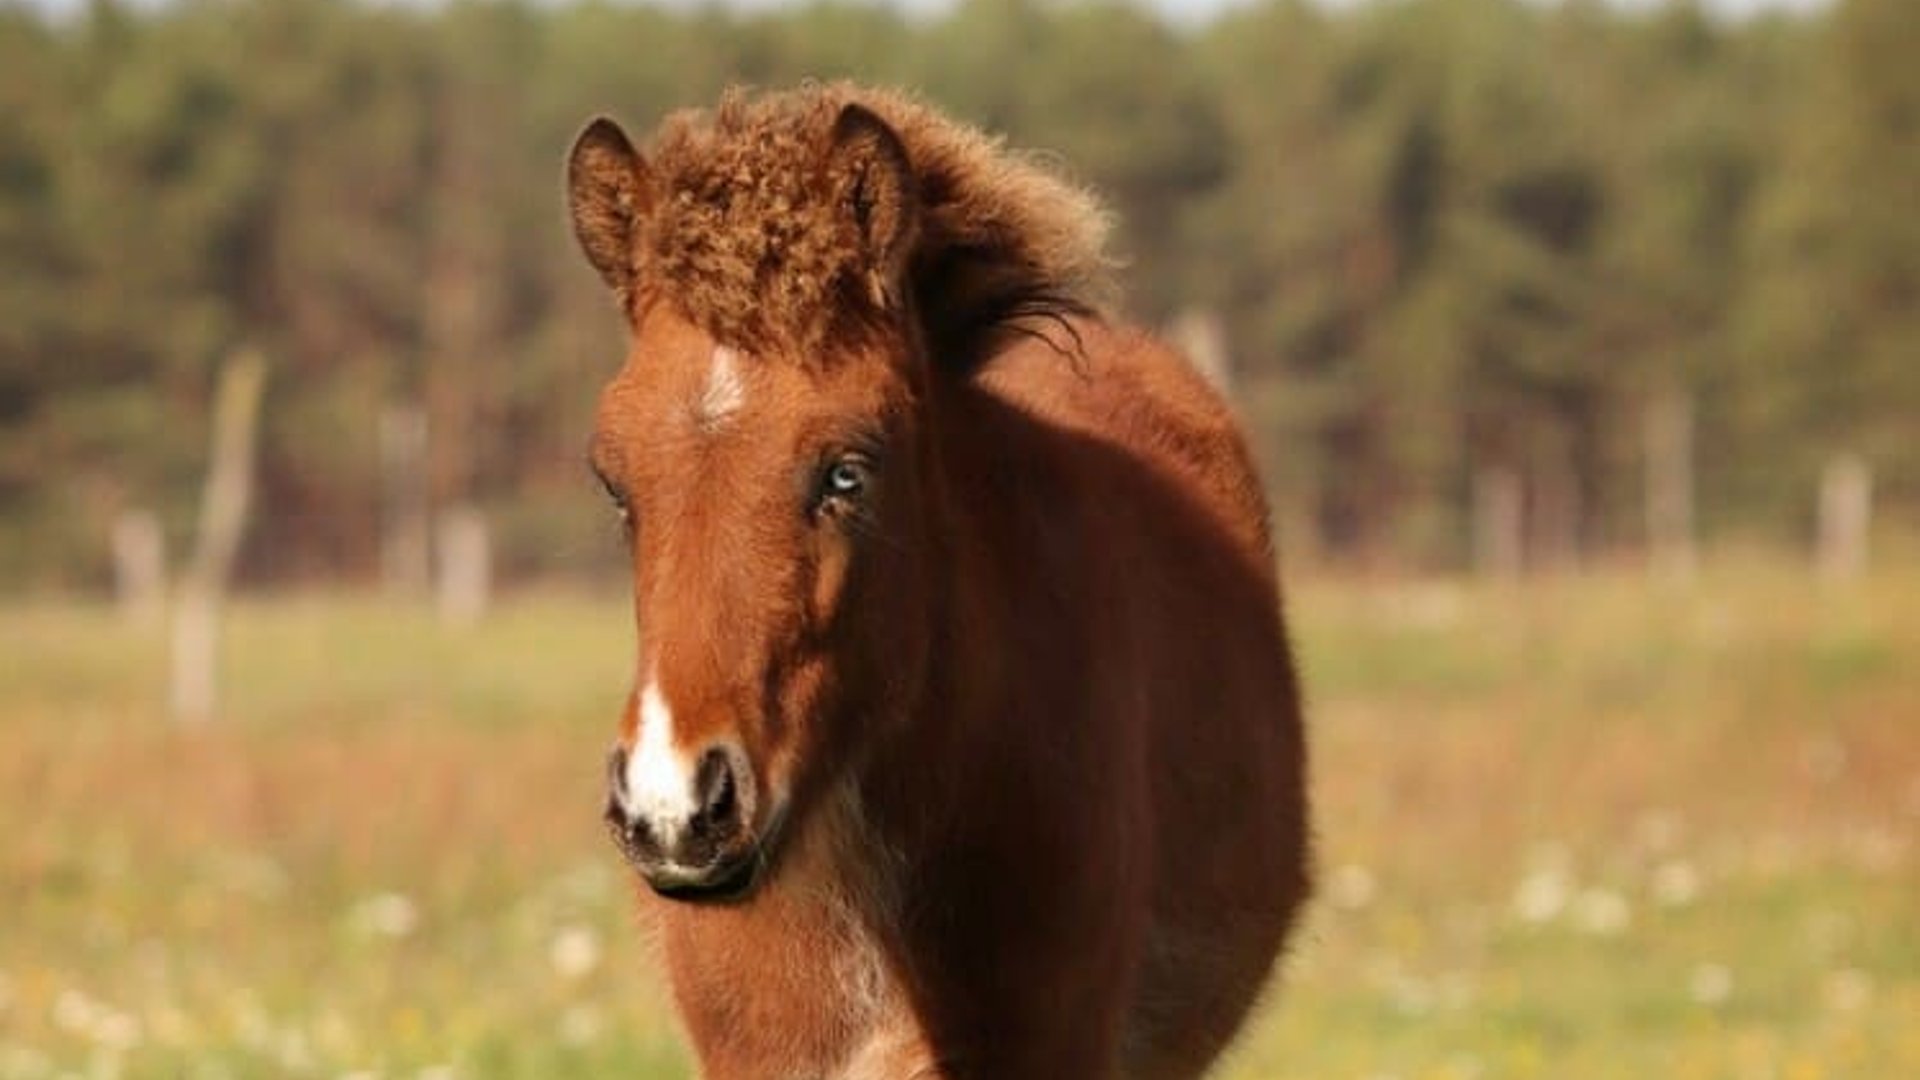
{"x": 251, "y": 1023}
{"x": 1658, "y": 830}
{"x": 580, "y": 1024}
{"x": 1427, "y": 607}
{"x": 1406, "y": 992}
{"x": 1350, "y": 887}
{"x": 387, "y": 914}
{"x": 1602, "y": 912}
{"x": 73, "y": 1012}
{"x": 1675, "y": 883}
{"x": 1847, "y": 990}
{"x": 253, "y": 875}
{"x": 23, "y": 1061}
{"x": 1829, "y": 931}
{"x": 169, "y": 1024}
{"x": 1711, "y": 984}
{"x": 334, "y": 1035}
{"x": 95, "y": 1021}
{"x": 1878, "y": 850}
{"x": 294, "y": 1050}
{"x": 116, "y": 1030}
{"x": 575, "y": 952}
{"x": 1542, "y": 895}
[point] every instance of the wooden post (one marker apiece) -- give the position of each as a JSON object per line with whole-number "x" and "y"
{"x": 223, "y": 517}
{"x": 139, "y": 567}
{"x": 1846, "y": 518}
{"x": 405, "y": 540}
{"x": 1497, "y": 522}
{"x": 1669, "y": 484}
{"x": 465, "y": 577}
{"x": 1202, "y": 336}
{"x": 1556, "y": 509}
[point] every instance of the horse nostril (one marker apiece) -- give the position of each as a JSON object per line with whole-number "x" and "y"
{"x": 719, "y": 795}
{"x": 617, "y": 773}
{"x": 632, "y": 836}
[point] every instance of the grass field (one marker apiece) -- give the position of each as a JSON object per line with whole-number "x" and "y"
{"x": 1587, "y": 827}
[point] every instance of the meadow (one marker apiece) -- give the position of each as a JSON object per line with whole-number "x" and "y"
{"x": 1589, "y": 826}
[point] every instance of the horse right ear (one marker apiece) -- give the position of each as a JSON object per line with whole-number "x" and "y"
{"x": 881, "y": 195}
{"x": 609, "y": 191}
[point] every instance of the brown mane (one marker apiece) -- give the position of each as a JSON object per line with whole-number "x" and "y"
{"x": 750, "y": 239}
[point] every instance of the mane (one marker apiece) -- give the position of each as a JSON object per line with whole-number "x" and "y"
{"x": 751, "y": 238}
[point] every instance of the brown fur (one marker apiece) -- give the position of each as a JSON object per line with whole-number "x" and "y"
{"x": 1027, "y": 792}
{"x": 750, "y": 240}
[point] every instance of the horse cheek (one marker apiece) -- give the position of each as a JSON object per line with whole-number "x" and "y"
{"x": 832, "y": 565}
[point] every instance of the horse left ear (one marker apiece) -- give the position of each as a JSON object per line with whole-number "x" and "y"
{"x": 877, "y": 180}
{"x": 609, "y": 190}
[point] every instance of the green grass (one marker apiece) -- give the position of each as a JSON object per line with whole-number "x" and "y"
{"x": 1586, "y": 827}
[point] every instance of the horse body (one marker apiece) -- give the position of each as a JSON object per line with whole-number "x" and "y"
{"x": 988, "y": 763}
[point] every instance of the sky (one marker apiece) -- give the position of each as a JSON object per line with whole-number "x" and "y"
{"x": 1185, "y": 10}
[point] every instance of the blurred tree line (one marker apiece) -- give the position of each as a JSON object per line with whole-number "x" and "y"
{"x": 1443, "y": 237}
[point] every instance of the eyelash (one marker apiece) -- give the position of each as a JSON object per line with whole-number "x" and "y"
{"x": 619, "y": 501}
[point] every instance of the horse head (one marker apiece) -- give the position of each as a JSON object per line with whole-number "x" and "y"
{"x": 761, "y": 443}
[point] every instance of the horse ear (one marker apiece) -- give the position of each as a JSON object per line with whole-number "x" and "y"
{"x": 881, "y": 194}
{"x": 609, "y": 191}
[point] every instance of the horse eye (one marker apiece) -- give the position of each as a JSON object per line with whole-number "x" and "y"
{"x": 617, "y": 497}
{"x": 845, "y": 479}
{"x": 843, "y": 483}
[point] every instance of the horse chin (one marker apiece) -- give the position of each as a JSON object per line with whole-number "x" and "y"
{"x": 732, "y": 883}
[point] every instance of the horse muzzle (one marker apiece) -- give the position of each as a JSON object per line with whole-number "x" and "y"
{"x": 704, "y": 850}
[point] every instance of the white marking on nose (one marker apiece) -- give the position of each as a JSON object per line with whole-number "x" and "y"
{"x": 724, "y": 392}
{"x": 659, "y": 785}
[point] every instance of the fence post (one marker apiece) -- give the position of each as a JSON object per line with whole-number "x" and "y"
{"x": 223, "y": 516}
{"x": 1202, "y": 336}
{"x": 405, "y": 537}
{"x": 1669, "y": 483}
{"x": 139, "y": 567}
{"x": 1498, "y": 524}
{"x": 1846, "y": 517}
{"x": 465, "y": 578}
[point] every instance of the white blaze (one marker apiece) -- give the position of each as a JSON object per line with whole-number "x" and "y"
{"x": 724, "y": 392}
{"x": 659, "y": 787}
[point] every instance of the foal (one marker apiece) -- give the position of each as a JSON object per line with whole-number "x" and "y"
{"x": 964, "y": 739}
